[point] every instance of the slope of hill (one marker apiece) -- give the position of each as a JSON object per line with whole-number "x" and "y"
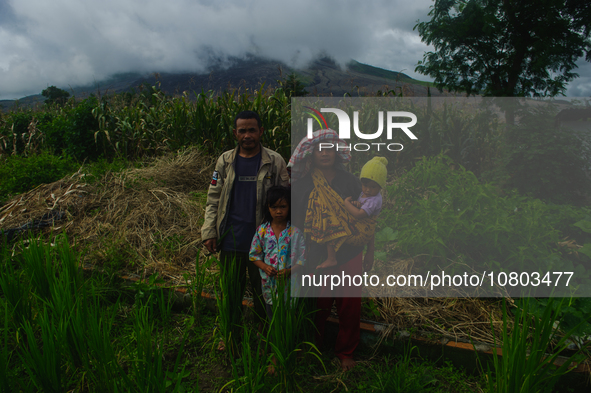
{"x": 322, "y": 77}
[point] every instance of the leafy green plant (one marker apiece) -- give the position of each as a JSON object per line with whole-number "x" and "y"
{"x": 443, "y": 211}
{"x": 20, "y": 174}
{"x": 573, "y": 313}
{"x": 382, "y": 238}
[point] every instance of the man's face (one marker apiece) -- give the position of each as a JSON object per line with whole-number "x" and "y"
{"x": 248, "y": 134}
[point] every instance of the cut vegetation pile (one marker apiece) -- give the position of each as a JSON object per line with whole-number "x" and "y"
{"x": 142, "y": 220}
{"x": 459, "y": 318}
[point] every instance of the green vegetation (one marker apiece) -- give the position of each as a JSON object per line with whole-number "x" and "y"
{"x": 544, "y": 162}
{"x": 54, "y": 95}
{"x": 292, "y": 86}
{"x": 491, "y": 48}
{"x": 526, "y": 366}
{"x": 63, "y": 331}
{"x": 19, "y": 174}
{"x": 463, "y": 218}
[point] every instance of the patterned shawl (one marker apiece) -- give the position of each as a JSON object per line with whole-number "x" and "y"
{"x": 301, "y": 161}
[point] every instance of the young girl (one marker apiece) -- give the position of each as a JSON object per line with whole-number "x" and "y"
{"x": 277, "y": 247}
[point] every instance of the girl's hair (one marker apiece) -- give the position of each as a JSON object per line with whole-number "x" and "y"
{"x": 276, "y": 193}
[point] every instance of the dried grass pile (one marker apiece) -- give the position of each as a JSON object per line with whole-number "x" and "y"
{"x": 410, "y": 307}
{"x": 143, "y": 219}
{"x": 460, "y": 318}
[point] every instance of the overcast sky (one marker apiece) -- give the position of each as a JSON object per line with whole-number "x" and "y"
{"x": 75, "y": 42}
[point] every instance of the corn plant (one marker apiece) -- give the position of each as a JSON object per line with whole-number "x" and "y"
{"x": 141, "y": 127}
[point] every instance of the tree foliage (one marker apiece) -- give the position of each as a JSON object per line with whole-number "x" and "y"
{"x": 505, "y": 48}
{"x": 55, "y": 95}
{"x": 292, "y": 86}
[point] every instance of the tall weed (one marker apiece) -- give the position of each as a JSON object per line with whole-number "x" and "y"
{"x": 286, "y": 335}
{"x": 529, "y": 352}
{"x": 147, "y": 371}
{"x": 44, "y": 360}
{"x": 229, "y": 302}
{"x": 198, "y": 281}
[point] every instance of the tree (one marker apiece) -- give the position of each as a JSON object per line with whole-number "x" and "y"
{"x": 55, "y": 95}
{"x": 505, "y": 48}
{"x": 292, "y": 86}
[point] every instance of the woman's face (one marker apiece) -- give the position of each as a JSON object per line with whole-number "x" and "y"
{"x": 324, "y": 158}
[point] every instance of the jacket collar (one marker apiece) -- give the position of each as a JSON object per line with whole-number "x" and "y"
{"x": 265, "y": 157}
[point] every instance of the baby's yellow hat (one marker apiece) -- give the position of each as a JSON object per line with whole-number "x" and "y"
{"x": 375, "y": 169}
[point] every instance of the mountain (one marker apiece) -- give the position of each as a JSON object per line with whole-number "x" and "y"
{"x": 322, "y": 77}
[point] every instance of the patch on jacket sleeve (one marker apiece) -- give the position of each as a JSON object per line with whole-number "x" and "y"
{"x": 214, "y": 178}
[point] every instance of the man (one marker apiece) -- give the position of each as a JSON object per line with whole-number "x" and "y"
{"x": 236, "y": 198}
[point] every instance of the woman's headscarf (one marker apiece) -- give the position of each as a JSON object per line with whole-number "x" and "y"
{"x": 301, "y": 161}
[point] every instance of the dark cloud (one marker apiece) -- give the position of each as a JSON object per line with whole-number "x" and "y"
{"x": 69, "y": 42}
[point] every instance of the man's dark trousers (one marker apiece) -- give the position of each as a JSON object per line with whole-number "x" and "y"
{"x": 242, "y": 259}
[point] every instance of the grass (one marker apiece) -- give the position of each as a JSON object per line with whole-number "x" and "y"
{"x": 84, "y": 333}
{"x": 527, "y": 365}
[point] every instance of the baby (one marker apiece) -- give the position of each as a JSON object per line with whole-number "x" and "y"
{"x": 373, "y": 179}
{"x": 368, "y": 205}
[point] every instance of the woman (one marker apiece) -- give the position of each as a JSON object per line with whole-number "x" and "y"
{"x": 311, "y": 159}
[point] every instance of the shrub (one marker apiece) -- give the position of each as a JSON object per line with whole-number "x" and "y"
{"x": 443, "y": 211}
{"x": 20, "y": 174}
{"x": 547, "y": 162}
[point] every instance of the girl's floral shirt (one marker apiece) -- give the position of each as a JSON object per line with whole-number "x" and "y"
{"x": 280, "y": 254}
